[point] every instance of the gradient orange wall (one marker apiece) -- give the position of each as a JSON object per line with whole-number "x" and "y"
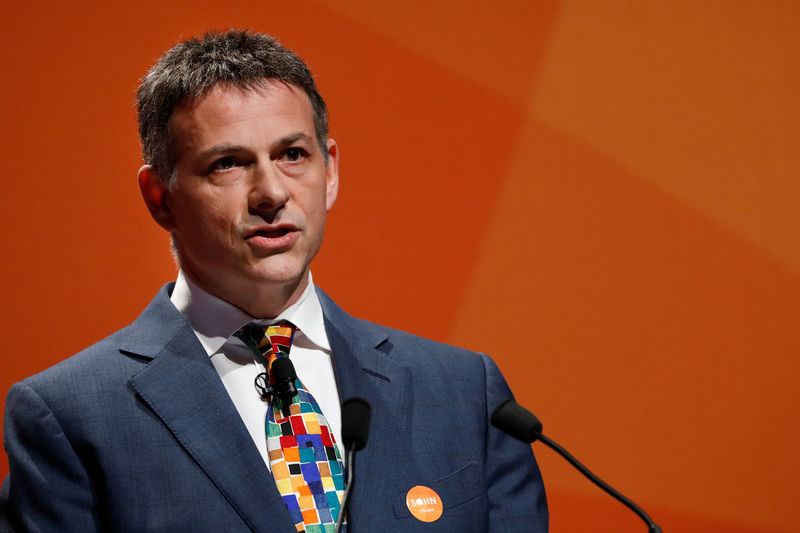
{"x": 612, "y": 184}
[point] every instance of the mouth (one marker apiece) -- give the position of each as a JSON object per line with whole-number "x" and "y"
{"x": 272, "y": 239}
{"x": 270, "y": 233}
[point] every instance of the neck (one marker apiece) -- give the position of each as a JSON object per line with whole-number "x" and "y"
{"x": 271, "y": 302}
{"x": 261, "y": 300}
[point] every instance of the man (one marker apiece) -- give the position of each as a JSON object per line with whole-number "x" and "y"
{"x": 160, "y": 427}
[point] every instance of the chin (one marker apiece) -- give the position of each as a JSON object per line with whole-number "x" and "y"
{"x": 277, "y": 274}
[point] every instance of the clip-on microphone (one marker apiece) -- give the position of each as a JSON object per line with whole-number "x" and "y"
{"x": 284, "y": 377}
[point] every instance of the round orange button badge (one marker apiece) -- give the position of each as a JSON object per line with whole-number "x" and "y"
{"x": 424, "y": 503}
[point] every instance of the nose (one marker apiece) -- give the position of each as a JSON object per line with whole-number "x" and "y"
{"x": 269, "y": 191}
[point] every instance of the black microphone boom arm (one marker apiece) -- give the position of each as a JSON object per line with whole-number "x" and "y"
{"x": 510, "y": 417}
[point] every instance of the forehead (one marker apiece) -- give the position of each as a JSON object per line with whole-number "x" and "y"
{"x": 227, "y": 110}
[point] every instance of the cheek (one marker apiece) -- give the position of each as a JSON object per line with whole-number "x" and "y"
{"x": 217, "y": 209}
{"x": 322, "y": 198}
{"x": 209, "y": 222}
{"x": 317, "y": 210}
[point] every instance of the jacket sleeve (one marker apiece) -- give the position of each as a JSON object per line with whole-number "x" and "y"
{"x": 516, "y": 492}
{"x": 48, "y": 488}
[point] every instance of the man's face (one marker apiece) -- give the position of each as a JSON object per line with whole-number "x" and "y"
{"x": 252, "y": 190}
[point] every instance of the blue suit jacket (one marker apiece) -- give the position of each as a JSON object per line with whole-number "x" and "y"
{"x": 137, "y": 433}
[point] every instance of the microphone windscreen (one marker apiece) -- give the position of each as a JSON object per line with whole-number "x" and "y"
{"x": 282, "y": 370}
{"x": 517, "y": 421}
{"x": 355, "y": 423}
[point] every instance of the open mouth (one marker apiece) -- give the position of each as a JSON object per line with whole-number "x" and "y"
{"x": 271, "y": 233}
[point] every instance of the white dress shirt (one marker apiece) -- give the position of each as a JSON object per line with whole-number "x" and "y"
{"x": 214, "y": 321}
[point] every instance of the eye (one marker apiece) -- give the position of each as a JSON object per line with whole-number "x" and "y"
{"x": 224, "y": 163}
{"x": 294, "y": 154}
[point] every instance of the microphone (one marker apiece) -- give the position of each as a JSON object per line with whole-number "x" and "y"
{"x": 513, "y": 419}
{"x": 355, "y": 423}
{"x": 355, "y": 431}
{"x": 284, "y": 375}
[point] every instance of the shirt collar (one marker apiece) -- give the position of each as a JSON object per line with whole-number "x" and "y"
{"x": 214, "y": 320}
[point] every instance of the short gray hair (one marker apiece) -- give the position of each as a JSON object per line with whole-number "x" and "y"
{"x": 190, "y": 69}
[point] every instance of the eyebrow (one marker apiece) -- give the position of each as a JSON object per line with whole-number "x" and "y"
{"x": 291, "y": 139}
{"x": 280, "y": 143}
{"x": 221, "y": 149}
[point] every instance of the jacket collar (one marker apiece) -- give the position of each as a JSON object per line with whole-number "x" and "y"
{"x": 367, "y": 367}
{"x": 182, "y": 388}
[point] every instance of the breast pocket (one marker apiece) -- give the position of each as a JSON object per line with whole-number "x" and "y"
{"x": 461, "y": 496}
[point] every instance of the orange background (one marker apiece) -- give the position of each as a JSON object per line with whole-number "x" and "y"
{"x": 611, "y": 186}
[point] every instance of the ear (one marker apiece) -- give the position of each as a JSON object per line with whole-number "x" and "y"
{"x": 155, "y": 193}
{"x": 332, "y": 174}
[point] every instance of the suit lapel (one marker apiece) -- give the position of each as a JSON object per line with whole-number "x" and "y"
{"x": 184, "y": 390}
{"x": 365, "y": 369}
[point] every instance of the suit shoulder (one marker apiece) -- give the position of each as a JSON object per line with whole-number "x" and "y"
{"x": 94, "y": 360}
{"x": 405, "y": 338}
{"x": 391, "y": 341}
{"x": 419, "y": 351}
{"x": 146, "y": 335}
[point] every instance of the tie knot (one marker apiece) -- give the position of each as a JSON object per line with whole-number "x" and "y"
{"x": 274, "y": 340}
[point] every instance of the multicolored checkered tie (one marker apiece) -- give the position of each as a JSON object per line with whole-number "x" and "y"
{"x": 303, "y": 454}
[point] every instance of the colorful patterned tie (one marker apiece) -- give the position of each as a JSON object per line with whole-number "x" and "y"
{"x": 303, "y": 454}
